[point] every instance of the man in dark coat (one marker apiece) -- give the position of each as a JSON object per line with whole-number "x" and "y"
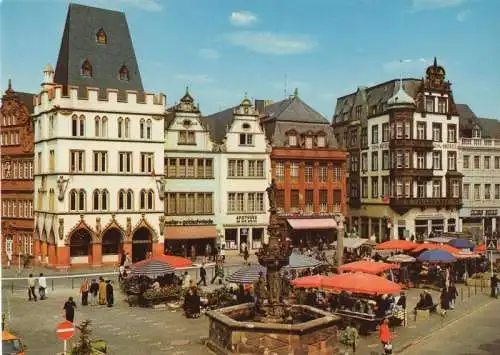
{"x": 69, "y": 308}
{"x": 203, "y": 275}
{"x": 109, "y": 294}
{"x": 494, "y": 285}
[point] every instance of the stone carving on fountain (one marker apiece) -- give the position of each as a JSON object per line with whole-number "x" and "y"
{"x": 274, "y": 255}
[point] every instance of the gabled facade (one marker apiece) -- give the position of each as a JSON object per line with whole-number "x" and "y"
{"x": 402, "y": 141}
{"x": 17, "y": 174}
{"x": 308, "y": 168}
{"x": 191, "y": 179}
{"x": 244, "y": 174}
{"x": 479, "y": 162}
{"x": 96, "y": 190}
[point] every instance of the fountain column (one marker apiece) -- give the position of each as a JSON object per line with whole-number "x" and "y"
{"x": 340, "y": 238}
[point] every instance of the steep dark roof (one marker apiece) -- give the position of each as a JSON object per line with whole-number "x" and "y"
{"x": 467, "y": 119}
{"x": 27, "y": 99}
{"x": 79, "y": 43}
{"x": 490, "y": 127}
{"x": 219, "y": 122}
{"x": 293, "y": 109}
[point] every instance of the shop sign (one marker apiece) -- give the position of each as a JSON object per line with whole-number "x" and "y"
{"x": 189, "y": 222}
{"x": 251, "y": 219}
{"x": 491, "y": 212}
{"x": 476, "y": 212}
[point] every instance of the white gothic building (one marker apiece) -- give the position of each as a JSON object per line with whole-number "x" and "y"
{"x": 98, "y": 145}
{"x": 402, "y": 139}
{"x": 191, "y": 179}
{"x": 244, "y": 173}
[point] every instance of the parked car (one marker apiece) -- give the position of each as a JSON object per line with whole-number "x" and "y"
{"x": 12, "y": 345}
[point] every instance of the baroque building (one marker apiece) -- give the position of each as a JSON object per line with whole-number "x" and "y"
{"x": 98, "y": 143}
{"x": 243, "y": 176}
{"x": 402, "y": 139}
{"x": 479, "y": 161}
{"x": 191, "y": 178}
{"x": 308, "y": 168}
{"x": 17, "y": 174}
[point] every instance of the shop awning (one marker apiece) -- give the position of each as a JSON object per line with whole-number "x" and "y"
{"x": 312, "y": 223}
{"x": 190, "y": 232}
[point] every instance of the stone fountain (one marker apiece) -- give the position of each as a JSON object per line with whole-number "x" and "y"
{"x": 273, "y": 327}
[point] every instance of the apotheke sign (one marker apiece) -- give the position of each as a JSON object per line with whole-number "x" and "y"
{"x": 478, "y": 213}
{"x": 246, "y": 219}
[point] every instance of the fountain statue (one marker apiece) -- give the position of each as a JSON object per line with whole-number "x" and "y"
{"x": 272, "y": 327}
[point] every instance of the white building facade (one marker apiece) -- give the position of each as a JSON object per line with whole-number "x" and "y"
{"x": 96, "y": 193}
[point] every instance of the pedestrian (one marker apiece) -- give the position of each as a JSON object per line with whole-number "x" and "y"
{"x": 102, "y": 291}
{"x": 203, "y": 275}
{"x": 246, "y": 254}
{"x": 385, "y": 336}
{"x": 31, "y": 287}
{"x": 493, "y": 285}
{"x": 219, "y": 273}
{"x": 109, "y": 293}
{"x": 445, "y": 301}
{"x": 186, "y": 279}
{"x": 42, "y": 286}
{"x": 223, "y": 254}
{"x": 69, "y": 308}
{"x": 127, "y": 261}
{"x": 84, "y": 290}
{"x": 453, "y": 294}
{"x": 93, "y": 290}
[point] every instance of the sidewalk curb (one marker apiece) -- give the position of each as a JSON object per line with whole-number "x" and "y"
{"x": 422, "y": 338}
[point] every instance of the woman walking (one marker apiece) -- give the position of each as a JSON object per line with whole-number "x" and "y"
{"x": 102, "y": 291}
{"x": 84, "y": 290}
{"x": 445, "y": 301}
{"x": 385, "y": 336}
{"x": 109, "y": 294}
{"x": 69, "y": 308}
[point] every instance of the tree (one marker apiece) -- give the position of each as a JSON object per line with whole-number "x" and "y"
{"x": 84, "y": 346}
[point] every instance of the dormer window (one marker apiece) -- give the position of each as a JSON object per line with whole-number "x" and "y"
{"x": 292, "y": 140}
{"x": 186, "y": 137}
{"x": 186, "y": 124}
{"x": 246, "y": 139}
{"x": 429, "y": 104}
{"x": 476, "y": 133}
{"x": 101, "y": 36}
{"x": 86, "y": 70}
{"x": 309, "y": 142}
{"x": 123, "y": 74}
{"x": 245, "y": 126}
{"x": 321, "y": 141}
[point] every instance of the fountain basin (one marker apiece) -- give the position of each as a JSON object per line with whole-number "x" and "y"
{"x": 240, "y": 330}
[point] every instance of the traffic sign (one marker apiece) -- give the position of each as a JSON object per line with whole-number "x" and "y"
{"x": 65, "y": 330}
{"x": 491, "y": 244}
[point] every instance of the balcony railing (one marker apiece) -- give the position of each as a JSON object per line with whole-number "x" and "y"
{"x": 480, "y": 142}
{"x": 411, "y": 143}
{"x": 412, "y": 172}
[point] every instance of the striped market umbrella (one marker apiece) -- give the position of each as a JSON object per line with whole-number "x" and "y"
{"x": 401, "y": 258}
{"x": 151, "y": 268}
{"x": 247, "y": 274}
{"x": 299, "y": 261}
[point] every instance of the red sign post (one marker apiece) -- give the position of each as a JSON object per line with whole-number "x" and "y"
{"x": 65, "y": 331}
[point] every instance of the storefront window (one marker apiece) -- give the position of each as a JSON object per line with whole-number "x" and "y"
{"x": 231, "y": 237}
{"x": 257, "y": 238}
{"x": 451, "y": 225}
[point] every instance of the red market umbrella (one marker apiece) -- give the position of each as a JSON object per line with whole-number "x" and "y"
{"x": 175, "y": 261}
{"x": 481, "y": 248}
{"x": 396, "y": 244}
{"x": 432, "y": 246}
{"x": 367, "y": 266}
{"x": 362, "y": 283}
{"x": 315, "y": 281}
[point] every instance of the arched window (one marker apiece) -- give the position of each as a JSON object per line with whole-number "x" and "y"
{"x": 104, "y": 127}
{"x": 97, "y": 128}
{"x": 130, "y": 196}
{"x": 95, "y": 200}
{"x": 82, "y": 126}
{"x": 141, "y": 128}
{"x": 148, "y": 129}
{"x": 121, "y": 200}
{"x": 120, "y": 127}
{"x": 123, "y": 73}
{"x": 81, "y": 200}
{"x": 74, "y": 125}
{"x": 151, "y": 197}
{"x": 86, "y": 69}
{"x": 101, "y": 36}
{"x": 73, "y": 199}
{"x": 127, "y": 127}
{"x": 104, "y": 200}
{"x": 143, "y": 200}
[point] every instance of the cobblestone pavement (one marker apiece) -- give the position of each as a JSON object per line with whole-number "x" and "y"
{"x": 128, "y": 330}
{"x": 474, "y": 334}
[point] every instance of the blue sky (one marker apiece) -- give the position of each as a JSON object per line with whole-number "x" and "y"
{"x": 326, "y": 48}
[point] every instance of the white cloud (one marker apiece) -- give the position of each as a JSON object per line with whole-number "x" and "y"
{"x": 463, "y": 15}
{"x": 242, "y": 18}
{"x": 194, "y": 78}
{"x": 271, "y": 43}
{"x": 147, "y": 5}
{"x": 208, "y": 53}
{"x": 435, "y": 4}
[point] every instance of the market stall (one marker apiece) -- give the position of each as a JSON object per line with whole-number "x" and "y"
{"x": 367, "y": 266}
{"x": 396, "y": 245}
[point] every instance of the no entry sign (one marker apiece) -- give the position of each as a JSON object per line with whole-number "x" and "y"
{"x": 65, "y": 330}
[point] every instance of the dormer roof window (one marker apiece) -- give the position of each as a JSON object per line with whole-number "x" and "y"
{"x": 292, "y": 140}
{"x": 86, "y": 69}
{"x": 101, "y": 36}
{"x": 321, "y": 141}
{"x": 123, "y": 73}
{"x": 245, "y": 126}
{"x": 476, "y": 132}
